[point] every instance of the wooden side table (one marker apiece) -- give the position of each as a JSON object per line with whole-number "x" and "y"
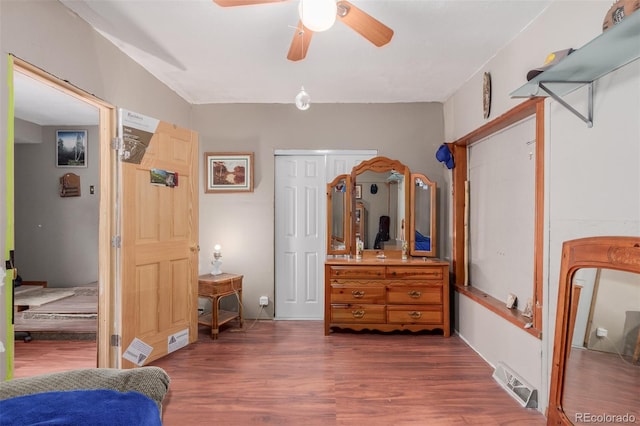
{"x": 216, "y": 287}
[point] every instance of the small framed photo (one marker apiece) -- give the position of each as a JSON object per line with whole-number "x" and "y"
{"x": 71, "y": 148}
{"x": 228, "y": 172}
{"x": 358, "y": 192}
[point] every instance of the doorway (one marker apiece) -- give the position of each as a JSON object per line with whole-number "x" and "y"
{"x": 56, "y": 95}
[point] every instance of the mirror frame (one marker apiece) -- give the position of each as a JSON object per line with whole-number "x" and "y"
{"x": 346, "y": 219}
{"x": 380, "y": 165}
{"x": 619, "y": 253}
{"x": 412, "y": 227}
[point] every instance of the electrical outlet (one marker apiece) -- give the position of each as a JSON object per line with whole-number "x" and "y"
{"x": 601, "y": 332}
{"x": 264, "y": 301}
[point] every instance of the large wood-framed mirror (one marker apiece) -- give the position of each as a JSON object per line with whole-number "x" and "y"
{"x": 338, "y": 221}
{"x": 383, "y": 205}
{"x": 595, "y": 374}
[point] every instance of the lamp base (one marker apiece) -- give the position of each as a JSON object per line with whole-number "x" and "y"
{"x": 217, "y": 267}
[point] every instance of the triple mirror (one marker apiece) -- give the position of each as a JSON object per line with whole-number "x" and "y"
{"x": 596, "y": 361}
{"x": 384, "y": 206}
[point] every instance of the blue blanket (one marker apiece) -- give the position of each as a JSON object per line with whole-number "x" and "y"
{"x": 80, "y": 407}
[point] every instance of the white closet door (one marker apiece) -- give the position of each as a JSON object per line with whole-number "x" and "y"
{"x": 300, "y": 228}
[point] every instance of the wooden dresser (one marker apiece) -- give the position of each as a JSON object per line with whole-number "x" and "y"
{"x": 386, "y": 294}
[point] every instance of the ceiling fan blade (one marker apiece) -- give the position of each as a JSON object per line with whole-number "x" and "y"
{"x": 300, "y": 43}
{"x": 232, "y": 3}
{"x": 364, "y": 24}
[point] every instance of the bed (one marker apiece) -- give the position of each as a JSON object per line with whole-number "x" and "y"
{"x": 51, "y": 310}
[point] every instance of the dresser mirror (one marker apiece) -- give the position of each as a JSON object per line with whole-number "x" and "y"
{"x": 338, "y": 202}
{"x": 423, "y": 219}
{"x": 384, "y": 207}
{"x": 596, "y": 367}
{"x": 385, "y": 198}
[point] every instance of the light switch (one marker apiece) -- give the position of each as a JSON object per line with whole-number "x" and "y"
{"x": 92, "y": 189}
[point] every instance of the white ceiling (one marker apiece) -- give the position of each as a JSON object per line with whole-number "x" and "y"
{"x": 211, "y": 54}
{"x": 44, "y": 105}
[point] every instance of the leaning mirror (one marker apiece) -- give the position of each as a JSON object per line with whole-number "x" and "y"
{"x": 422, "y": 232}
{"x": 382, "y": 196}
{"x": 596, "y": 371}
{"x": 338, "y": 199}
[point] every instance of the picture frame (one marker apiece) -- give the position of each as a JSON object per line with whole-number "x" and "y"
{"x": 71, "y": 148}
{"x": 227, "y": 172}
{"x": 358, "y": 192}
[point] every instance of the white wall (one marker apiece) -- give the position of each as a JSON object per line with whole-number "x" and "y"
{"x": 592, "y": 175}
{"x": 617, "y": 304}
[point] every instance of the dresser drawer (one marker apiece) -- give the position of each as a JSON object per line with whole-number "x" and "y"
{"x": 414, "y": 294}
{"x": 356, "y": 272}
{"x": 417, "y": 314}
{"x": 358, "y": 314}
{"x": 414, "y": 272}
{"x": 358, "y": 294}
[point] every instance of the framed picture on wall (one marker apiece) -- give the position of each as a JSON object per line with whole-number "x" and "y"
{"x": 358, "y": 192}
{"x": 228, "y": 172}
{"x": 71, "y": 148}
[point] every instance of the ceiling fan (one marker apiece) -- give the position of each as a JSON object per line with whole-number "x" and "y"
{"x": 356, "y": 19}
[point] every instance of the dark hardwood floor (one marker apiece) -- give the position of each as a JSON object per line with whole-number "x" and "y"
{"x": 288, "y": 372}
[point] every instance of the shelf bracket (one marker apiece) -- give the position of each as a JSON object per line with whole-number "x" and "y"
{"x": 589, "y": 118}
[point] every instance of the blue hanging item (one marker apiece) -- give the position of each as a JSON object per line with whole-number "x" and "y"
{"x": 444, "y": 156}
{"x": 374, "y": 188}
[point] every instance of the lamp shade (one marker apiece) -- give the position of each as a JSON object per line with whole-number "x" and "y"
{"x": 318, "y": 15}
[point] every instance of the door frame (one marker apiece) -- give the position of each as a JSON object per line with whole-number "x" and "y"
{"x": 106, "y": 357}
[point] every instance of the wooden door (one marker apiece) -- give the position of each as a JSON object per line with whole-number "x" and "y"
{"x": 159, "y": 238}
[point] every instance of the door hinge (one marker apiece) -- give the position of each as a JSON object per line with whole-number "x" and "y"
{"x": 115, "y": 340}
{"x": 116, "y": 143}
{"x": 116, "y": 241}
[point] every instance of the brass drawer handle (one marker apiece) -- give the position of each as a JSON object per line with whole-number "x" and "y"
{"x": 414, "y": 293}
{"x": 415, "y": 314}
{"x": 358, "y": 294}
{"x": 358, "y": 314}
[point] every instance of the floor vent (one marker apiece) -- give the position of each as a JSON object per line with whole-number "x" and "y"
{"x": 516, "y": 386}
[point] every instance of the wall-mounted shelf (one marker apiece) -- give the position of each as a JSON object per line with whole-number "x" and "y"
{"x": 609, "y": 51}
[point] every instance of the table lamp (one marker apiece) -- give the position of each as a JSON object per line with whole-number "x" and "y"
{"x": 217, "y": 260}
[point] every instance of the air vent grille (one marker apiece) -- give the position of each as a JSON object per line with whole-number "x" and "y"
{"x": 516, "y": 386}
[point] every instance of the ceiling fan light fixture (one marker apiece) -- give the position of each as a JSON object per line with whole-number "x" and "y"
{"x": 303, "y": 100}
{"x": 317, "y": 15}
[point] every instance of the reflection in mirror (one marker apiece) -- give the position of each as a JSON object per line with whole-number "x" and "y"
{"x": 337, "y": 215}
{"x": 601, "y": 376}
{"x": 385, "y": 199}
{"x": 595, "y": 375}
{"x": 384, "y": 205}
{"x": 423, "y": 220}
